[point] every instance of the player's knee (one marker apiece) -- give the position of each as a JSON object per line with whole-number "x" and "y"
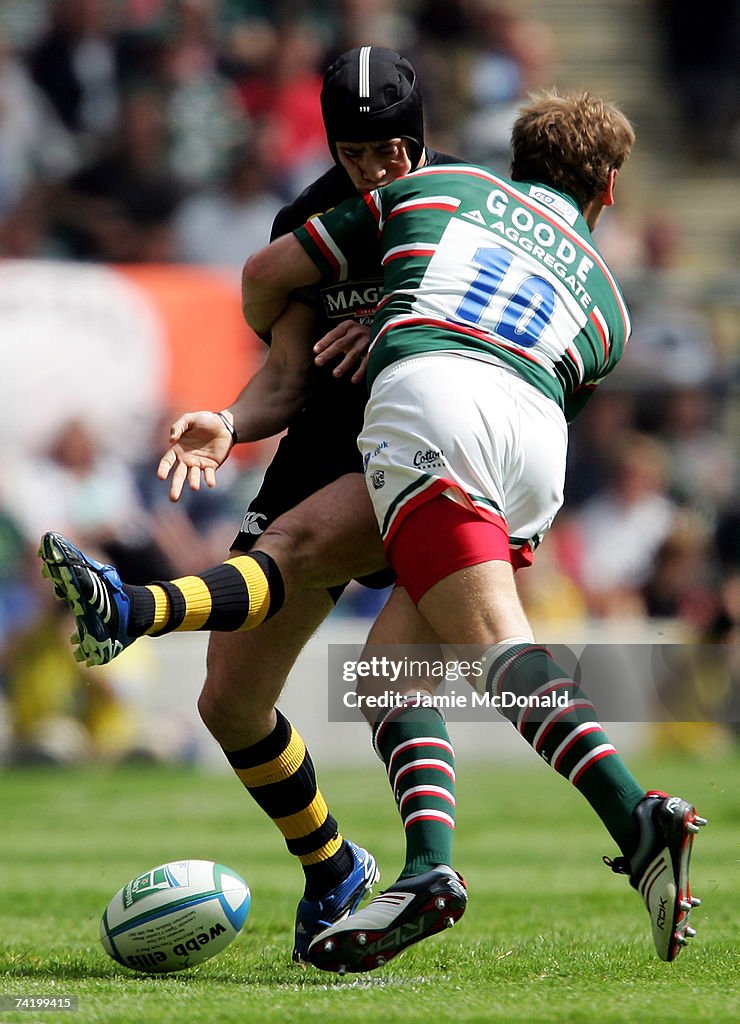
{"x": 218, "y": 702}
{"x": 215, "y": 707}
{"x": 236, "y": 709}
{"x": 292, "y": 542}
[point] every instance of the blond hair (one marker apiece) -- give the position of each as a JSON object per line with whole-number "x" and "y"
{"x": 570, "y": 142}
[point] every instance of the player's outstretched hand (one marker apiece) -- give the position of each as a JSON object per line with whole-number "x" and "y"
{"x": 200, "y": 442}
{"x": 349, "y": 340}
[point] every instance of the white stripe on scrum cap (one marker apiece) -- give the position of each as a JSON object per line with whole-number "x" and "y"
{"x": 364, "y": 76}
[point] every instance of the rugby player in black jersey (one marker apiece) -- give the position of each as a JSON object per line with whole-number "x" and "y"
{"x": 313, "y": 499}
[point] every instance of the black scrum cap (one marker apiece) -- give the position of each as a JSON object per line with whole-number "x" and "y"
{"x": 369, "y": 94}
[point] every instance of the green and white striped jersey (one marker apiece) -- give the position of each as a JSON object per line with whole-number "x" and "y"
{"x": 476, "y": 262}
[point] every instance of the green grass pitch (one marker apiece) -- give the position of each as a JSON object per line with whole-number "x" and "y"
{"x": 550, "y": 934}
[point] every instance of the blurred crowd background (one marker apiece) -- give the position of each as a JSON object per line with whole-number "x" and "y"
{"x": 171, "y": 131}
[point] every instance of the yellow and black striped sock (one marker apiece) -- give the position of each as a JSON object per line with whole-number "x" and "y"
{"x": 279, "y": 773}
{"x": 235, "y": 596}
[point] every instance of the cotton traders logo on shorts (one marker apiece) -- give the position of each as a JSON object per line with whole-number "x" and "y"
{"x": 429, "y": 459}
{"x": 251, "y": 523}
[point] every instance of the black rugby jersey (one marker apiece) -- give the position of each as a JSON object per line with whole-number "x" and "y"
{"x": 355, "y": 298}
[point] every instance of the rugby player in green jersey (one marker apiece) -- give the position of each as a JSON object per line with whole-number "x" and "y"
{"x": 498, "y": 319}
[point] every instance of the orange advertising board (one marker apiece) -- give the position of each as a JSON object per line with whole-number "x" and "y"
{"x": 211, "y": 351}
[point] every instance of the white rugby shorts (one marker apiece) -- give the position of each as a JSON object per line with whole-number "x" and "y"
{"x": 469, "y": 428}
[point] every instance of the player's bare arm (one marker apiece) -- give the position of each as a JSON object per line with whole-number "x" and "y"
{"x": 277, "y": 392}
{"x": 201, "y": 441}
{"x": 270, "y": 276}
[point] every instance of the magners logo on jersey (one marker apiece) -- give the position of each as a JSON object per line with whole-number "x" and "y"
{"x": 354, "y": 299}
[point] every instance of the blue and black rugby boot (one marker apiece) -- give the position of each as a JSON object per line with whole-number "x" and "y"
{"x": 313, "y": 916}
{"x": 95, "y": 596}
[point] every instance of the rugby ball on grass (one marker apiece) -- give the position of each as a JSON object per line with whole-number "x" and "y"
{"x": 175, "y": 916}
